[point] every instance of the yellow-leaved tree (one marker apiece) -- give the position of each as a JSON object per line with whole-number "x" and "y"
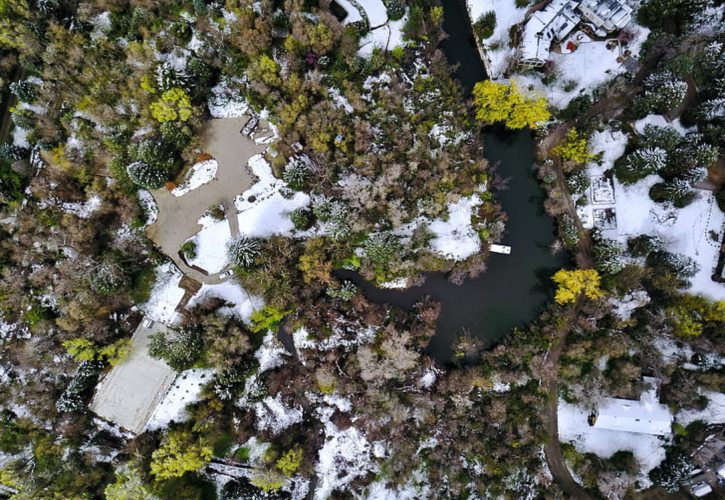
{"x": 693, "y": 315}
{"x": 179, "y": 453}
{"x": 576, "y": 283}
{"x": 173, "y": 105}
{"x": 574, "y": 148}
{"x": 505, "y": 103}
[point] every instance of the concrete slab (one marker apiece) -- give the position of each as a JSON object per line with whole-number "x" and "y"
{"x": 130, "y": 392}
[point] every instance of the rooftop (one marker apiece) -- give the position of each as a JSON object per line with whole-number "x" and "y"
{"x": 646, "y": 416}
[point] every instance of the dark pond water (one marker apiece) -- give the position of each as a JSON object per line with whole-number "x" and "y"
{"x": 515, "y": 287}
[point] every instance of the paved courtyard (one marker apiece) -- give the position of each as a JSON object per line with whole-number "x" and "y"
{"x": 130, "y": 392}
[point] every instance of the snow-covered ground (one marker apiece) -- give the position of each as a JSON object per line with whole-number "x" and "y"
{"x": 85, "y": 209}
{"x": 497, "y": 46}
{"x": 226, "y": 102}
{"x": 271, "y": 354}
{"x": 200, "y": 174}
{"x": 685, "y": 231}
{"x": 269, "y": 211}
{"x": 274, "y": 415}
{"x": 384, "y": 34}
{"x": 455, "y": 238}
{"x": 714, "y": 412}
{"x": 211, "y": 244}
{"x": 165, "y": 295}
{"x": 242, "y": 304}
{"x": 574, "y": 428}
{"x": 185, "y": 390}
{"x": 345, "y": 456}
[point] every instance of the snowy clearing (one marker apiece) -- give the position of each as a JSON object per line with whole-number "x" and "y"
{"x": 714, "y": 412}
{"x": 200, "y": 174}
{"x": 455, "y": 238}
{"x": 242, "y": 304}
{"x": 185, "y": 390}
{"x": 211, "y": 245}
{"x": 573, "y": 427}
{"x": 165, "y": 295}
{"x": 263, "y": 210}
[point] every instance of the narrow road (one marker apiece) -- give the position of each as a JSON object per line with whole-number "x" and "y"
{"x": 552, "y": 450}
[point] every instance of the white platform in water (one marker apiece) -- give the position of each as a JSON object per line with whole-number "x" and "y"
{"x": 501, "y": 249}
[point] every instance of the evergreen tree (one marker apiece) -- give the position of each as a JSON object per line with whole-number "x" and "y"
{"x": 646, "y": 161}
{"x": 381, "y": 248}
{"x": 24, "y": 90}
{"x": 296, "y": 173}
{"x": 678, "y": 264}
{"x": 578, "y": 182}
{"x": 181, "y": 351}
{"x": 678, "y": 191}
{"x": 713, "y": 109}
{"x": 662, "y": 92}
{"x": 608, "y": 255}
{"x": 674, "y": 473}
{"x": 145, "y": 175}
{"x": 301, "y": 219}
{"x": 336, "y": 216}
{"x": 73, "y": 398}
{"x": 643, "y": 245}
{"x": 243, "y": 250}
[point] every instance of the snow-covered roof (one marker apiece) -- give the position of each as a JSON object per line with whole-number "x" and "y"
{"x": 607, "y": 14}
{"x": 646, "y": 416}
{"x": 721, "y": 471}
{"x": 555, "y": 22}
{"x": 701, "y": 489}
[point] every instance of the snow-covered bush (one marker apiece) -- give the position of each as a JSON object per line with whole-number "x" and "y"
{"x": 145, "y": 175}
{"x": 713, "y": 109}
{"x": 168, "y": 76}
{"x": 336, "y": 216}
{"x": 24, "y": 90}
{"x": 107, "y": 278}
{"x": 11, "y": 153}
{"x": 578, "y": 182}
{"x": 243, "y": 250}
{"x": 344, "y": 291}
{"x": 301, "y": 219}
{"x": 674, "y": 473}
{"x": 296, "y": 173}
{"x": 568, "y": 231}
{"x": 395, "y": 8}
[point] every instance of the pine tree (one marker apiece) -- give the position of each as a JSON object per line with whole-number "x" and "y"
{"x": 301, "y": 219}
{"x": 243, "y": 251}
{"x": 680, "y": 265}
{"x": 644, "y": 244}
{"x": 181, "y": 351}
{"x": 336, "y": 216}
{"x": 713, "y": 109}
{"x": 608, "y": 255}
{"x": 296, "y": 173}
{"x": 663, "y": 92}
{"x": 674, "y": 473}
{"x": 381, "y": 248}
{"x": 145, "y": 175}
{"x": 666, "y": 138}
{"x": 578, "y": 182}
{"x": 646, "y": 161}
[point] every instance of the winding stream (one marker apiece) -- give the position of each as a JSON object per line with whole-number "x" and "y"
{"x": 514, "y": 288}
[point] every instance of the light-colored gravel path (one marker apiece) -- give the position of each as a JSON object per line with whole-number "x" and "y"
{"x": 178, "y": 216}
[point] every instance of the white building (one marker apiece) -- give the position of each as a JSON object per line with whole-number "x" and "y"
{"x": 606, "y": 15}
{"x": 560, "y": 17}
{"x": 645, "y": 416}
{"x": 553, "y": 23}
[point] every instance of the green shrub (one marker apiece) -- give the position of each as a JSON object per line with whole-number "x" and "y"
{"x": 484, "y": 27}
{"x": 189, "y": 249}
{"x": 267, "y": 318}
